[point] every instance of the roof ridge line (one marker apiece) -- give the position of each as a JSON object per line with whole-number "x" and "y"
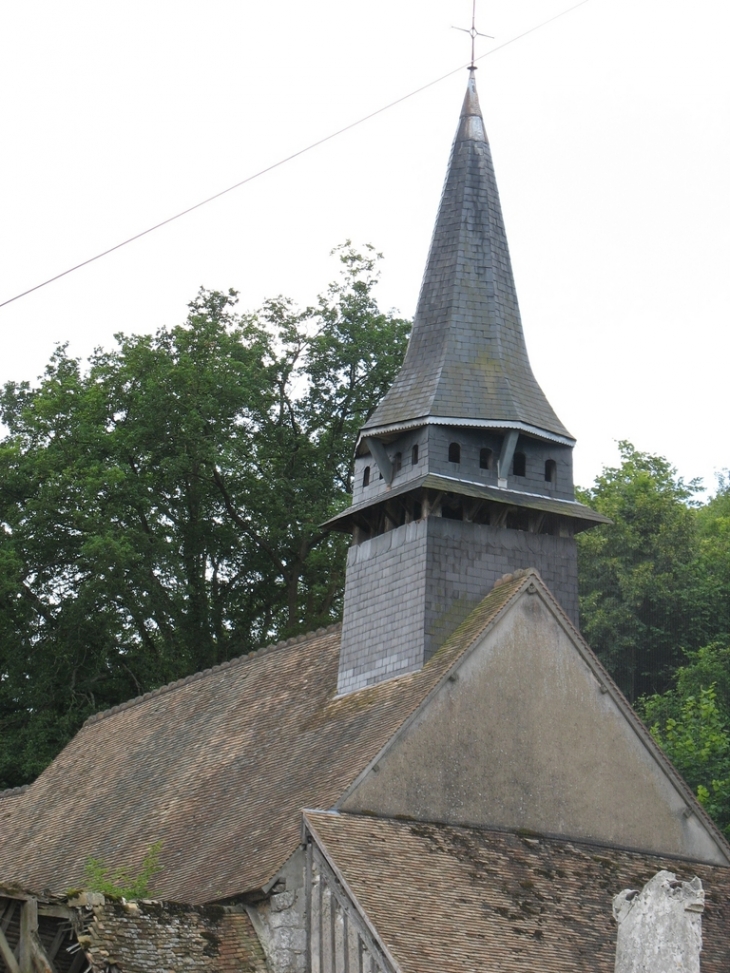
{"x": 521, "y": 833}
{"x": 634, "y": 720}
{"x": 510, "y": 578}
{"x": 238, "y": 660}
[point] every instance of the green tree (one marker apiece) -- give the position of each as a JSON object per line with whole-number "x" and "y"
{"x": 713, "y": 527}
{"x": 691, "y": 722}
{"x": 642, "y": 605}
{"x": 160, "y": 509}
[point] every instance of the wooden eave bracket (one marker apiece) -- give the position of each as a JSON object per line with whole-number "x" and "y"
{"x": 509, "y": 444}
{"x": 380, "y": 455}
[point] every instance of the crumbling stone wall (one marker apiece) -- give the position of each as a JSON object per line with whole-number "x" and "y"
{"x": 138, "y": 937}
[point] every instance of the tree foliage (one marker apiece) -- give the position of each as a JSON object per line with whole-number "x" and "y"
{"x": 160, "y": 508}
{"x": 641, "y": 603}
{"x": 655, "y": 604}
{"x": 713, "y": 528}
{"x": 691, "y": 722}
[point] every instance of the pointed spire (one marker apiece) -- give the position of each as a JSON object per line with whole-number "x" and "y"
{"x": 467, "y": 362}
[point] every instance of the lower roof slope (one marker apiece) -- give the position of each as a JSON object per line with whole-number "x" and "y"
{"x": 216, "y": 767}
{"x": 453, "y": 899}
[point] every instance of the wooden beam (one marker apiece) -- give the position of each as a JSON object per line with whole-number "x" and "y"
{"x": 11, "y": 964}
{"x": 80, "y": 962}
{"x": 309, "y": 854}
{"x": 333, "y": 932}
{"x": 380, "y": 455}
{"x": 506, "y": 456}
{"x": 57, "y": 911}
{"x": 39, "y": 960}
{"x": 500, "y": 516}
{"x": 61, "y": 932}
{"x": 345, "y": 943}
{"x": 28, "y": 926}
{"x": 8, "y": 914}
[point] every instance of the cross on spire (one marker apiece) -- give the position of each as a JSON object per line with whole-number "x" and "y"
{"x": 473, "y": 33}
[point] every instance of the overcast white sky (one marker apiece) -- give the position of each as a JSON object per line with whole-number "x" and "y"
{"x": 609, "y": 129}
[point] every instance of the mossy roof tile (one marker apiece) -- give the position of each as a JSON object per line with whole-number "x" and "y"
{"x": 216, "y": 767}
{"x": 453, "y": 899}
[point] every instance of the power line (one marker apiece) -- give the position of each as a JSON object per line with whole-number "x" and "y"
{"x": 289, "y": 158}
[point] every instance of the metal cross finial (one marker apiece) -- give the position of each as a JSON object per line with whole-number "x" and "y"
{"x": 474, "y": 33}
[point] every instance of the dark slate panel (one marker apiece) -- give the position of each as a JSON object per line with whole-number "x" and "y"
{"x": 467, "y": 356}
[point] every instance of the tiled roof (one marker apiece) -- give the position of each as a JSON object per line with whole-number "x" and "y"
{"x": 467, "y": 357}
{"x": 216, "y": 767}
{"x": 455, "y": 899}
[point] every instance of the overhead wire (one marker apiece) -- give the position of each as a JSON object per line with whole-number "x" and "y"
{"x": 288, "y": 158}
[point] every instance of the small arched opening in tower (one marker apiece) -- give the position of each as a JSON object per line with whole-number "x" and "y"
{"x": 486, "y": 459}
{"x": 414, "y": 454}
{"x": 454, "y": 453}
{"x": 519, "y": 465}
{"x": 366, "y": 476}
{"x": 397, "y": 463}
{"x": 551, "y": 472}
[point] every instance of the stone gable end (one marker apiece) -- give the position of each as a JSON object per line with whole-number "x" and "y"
{"x": 528, "y": 732}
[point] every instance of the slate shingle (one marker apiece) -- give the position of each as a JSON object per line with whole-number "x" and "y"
{"x": 467, "y": 357}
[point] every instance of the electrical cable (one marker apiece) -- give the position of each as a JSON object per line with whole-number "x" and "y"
{"x": 289, "y": 158}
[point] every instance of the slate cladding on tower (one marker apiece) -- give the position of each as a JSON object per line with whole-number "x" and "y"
{"x": 464, "y": 472}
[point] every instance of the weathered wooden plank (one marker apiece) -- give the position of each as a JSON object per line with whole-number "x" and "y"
{"x": 333, "y": 940}
{"x": 8, "y": 914}
{"x": 39, "y": 960}
{"x": 61, "y": 933}
{"x": 80, "y": 962}
{"x": 321, "y": 922}
{"x": 28, "y": 926}
{"x": 345, "y": 943}
{"x": 308, "y": 906}
{"x": 56, "y": 911}
{"x": 11, "y": 964}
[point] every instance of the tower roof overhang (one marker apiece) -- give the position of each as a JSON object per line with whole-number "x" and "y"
{"x": 393, "y": 430}
{"x": 581, "y": 515}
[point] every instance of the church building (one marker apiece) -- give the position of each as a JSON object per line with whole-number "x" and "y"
{"x": 449, "y": 781}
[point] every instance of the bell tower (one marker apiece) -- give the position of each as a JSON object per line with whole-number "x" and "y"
{"x": 463, "y": 472}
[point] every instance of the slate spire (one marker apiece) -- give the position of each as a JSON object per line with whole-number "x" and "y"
{"x": 463, "y": 473}
{"x": 467, "y": 362}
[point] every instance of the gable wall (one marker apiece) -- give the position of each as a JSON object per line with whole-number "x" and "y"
{"x": 524, "y": 738}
